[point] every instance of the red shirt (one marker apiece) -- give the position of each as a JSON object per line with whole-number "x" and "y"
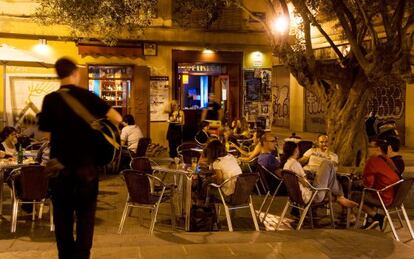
{"x": 378, "y": 174}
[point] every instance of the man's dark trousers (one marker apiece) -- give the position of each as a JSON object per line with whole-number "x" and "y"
{"x": 74, "y": 195}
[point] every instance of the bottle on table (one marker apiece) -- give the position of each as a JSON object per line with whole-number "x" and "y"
{"x": 20, "y": 155}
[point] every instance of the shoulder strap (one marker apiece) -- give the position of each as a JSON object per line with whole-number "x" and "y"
{"x": 390, "y": 165}
{"x": 76, "y": 106}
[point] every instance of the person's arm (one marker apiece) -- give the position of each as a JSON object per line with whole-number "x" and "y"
{"x": 250, "y": 155}
{"x": 219, "y": 175}
{"x": 114, "y": 116}
{"x": 182, "y": 117}
{"x": 368, "y": 177}
{"x": 203, "y": 115}
{"x": 124, "y": 137}
{"x": 242, "y": 151}
{"x": 305, "y": 158}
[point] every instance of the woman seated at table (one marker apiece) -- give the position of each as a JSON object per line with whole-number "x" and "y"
{"x": 242, "y": 128}
{"x": 202, "y": 135}
{"x": 325, "y": 177}
{"x": 247, "y": 156}
{"x": 8, "y": 138}
{"x": 224, "y": 167}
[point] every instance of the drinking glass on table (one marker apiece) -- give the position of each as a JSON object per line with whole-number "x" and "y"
{"x": 193, "y": 163}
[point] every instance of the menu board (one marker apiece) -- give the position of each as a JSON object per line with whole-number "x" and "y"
{"x": 159, "y": 93}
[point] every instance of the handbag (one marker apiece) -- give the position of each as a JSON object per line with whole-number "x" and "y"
{"x": 106, "y": 135}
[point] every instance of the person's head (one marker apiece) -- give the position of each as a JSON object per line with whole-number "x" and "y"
{"x": 377, "y": 147}
{"x": 129, "y": 119}
{"x": 394, "y": 144}
{"x": 290, "y": 149}
{"x": 204, "y": 125}
{"x": 257, "y": 135}
{"x": 234, "y": 123}
{"x": 67, "y": 71}
{"x": 174, "y": 105}
{"x": 244, "y": 125}
{"x": 214, "y": 150}
{"x": 9, "y": 135}
{"x": 268, "y": 142}
{"x": 323, "y": 142}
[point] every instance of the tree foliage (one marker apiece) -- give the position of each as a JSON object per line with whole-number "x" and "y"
{"x": 106, "y": 19}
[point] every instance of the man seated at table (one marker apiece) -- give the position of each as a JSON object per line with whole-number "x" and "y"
{"x": 267, "y": 159}
{"x": 313, "y": 158}
{"x": 202, "y": 135}
{"x": 131, "y": 133}
{"x": 379, "y": 172}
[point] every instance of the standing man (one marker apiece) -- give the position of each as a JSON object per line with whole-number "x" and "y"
{"x": 213, "y": 111}
{"x": 75, "y": 188}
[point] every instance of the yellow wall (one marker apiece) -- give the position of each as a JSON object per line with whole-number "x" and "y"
{"x": 297, "y": 107}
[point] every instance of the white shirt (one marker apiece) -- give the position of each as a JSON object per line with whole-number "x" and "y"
{"x": 229, "y": 168}
{"x": 316, "y": 156}
{"x": 130, "y": 135}
{"x": 294, "y": 166}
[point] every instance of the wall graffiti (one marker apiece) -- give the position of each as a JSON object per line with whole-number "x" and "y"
{"x": 281, "y": 102}
{"x": 281, "y": 96}
{"x": 388, "y": 102}
{"x": 314, "y": 113}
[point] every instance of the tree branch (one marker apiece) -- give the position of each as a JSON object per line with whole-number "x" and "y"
{"x": 303, "y": 9}
{"x": 410, "y": 21}
{"x": 374, "y": 35}
{"x": 398, "y": 15}
{"x": 385, "y": 19}
{"x": 308, "y": 43}
{"x": 355, "y": 48}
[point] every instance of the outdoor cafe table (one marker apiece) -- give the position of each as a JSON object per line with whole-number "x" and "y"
{"x": 186, "y": 191}
{"x": 4, "y": 166}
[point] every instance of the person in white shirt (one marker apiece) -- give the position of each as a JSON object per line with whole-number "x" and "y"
{"x": 325, "y": 177}
{"x": 313, "y": 158}
{"x": 224, "y": 165}
{"x": 131, "y": 133}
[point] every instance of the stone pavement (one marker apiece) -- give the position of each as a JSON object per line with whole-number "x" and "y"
{"x": 34, "y": 240}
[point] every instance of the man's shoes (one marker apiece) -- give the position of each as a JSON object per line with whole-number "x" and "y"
{"x": 380, "y": 219}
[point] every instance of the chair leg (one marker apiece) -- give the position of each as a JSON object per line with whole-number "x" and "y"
{"x": 407, "y": 220}
{"x": 124, "y": 215}
{"x": 400, "y": 219}
{"x": 283, "y": 214}
{"x": 14, "y": 215}
{"x": 262, "y": 206}
{"x": 394, "y": 232}
{"x": 302, "y": 217}
{"x": 256, "y": 226}
{"x": 52, "y": 223}
{"x": 172, "y": 213}
{"x": 361, "y": 204}
{"x": 227, "y": 211}
{"x": 348, "y": 215}
{"x": 271, "y": 201}
{"x": 311, "y": 217}
{"x": 154, "y": 218}
{"x": 258, "y": 190}
{"x": 331, "y": 210}
{"x": 34, "y": 211}
{"x": 41, "y": 210}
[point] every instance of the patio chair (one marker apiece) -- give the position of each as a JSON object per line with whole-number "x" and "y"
{"x": 30, "y": 186}
{"x": 187, "y": 155}
{"x": 295, "y": 200}
{"x": 240, "y": 199}
{"x": 251, "y": 167}
{"x": 401, "y": 188}
{"x": 143, "y": 144}
{"x": 140, "y": 196}
{"x": 187, "y": 146}
{"x": 263, "y": 173}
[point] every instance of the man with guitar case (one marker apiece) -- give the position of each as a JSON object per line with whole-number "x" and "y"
{"x": 84, "y": 136}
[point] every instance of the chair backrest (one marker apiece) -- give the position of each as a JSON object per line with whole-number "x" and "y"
{"x": 401, "y": 191}
{"x": 142, "y": 164}
{"x": 138, "y": 185}
{"x": 245, "y": 184}
{"x": 142, "y": 146}
{"x": 292, "y": 185}
{"x": 34, "y": 183}
{"x": 188, "y": 154}
{"x": 303, "y": 146}
{"x": 186, "y": 146}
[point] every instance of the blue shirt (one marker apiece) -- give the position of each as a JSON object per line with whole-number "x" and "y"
{"x": 268, "y": 161}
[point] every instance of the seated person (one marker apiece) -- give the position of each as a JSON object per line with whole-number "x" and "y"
{"x": 8, "y": 138}
{"x": 379, "y": 172}
{"x": 131, "y": 133}
{"x": 247, "y": 156}
{"x": 312, "y": 159}
{"x": 202, "y": 135}
{"x": 394, "y": 145}
{"x": 224, "y": 166}
{"x": 267, "y": 158}
{"x": 325, "y": 177}
{"x": 242, "y": 128}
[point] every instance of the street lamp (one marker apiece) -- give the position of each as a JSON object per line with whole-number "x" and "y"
{"x": 280, "y": 24}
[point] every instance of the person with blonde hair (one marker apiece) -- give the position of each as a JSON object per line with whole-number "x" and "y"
{"x": 175, "y": 127}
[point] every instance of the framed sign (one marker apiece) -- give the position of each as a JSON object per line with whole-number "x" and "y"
{"x": 159, "y": 93}
{"x": 150, "y": 49}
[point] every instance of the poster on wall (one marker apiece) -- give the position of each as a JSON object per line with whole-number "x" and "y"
{"x": 159, "y": 93}
{"x": 24, "y": 96}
